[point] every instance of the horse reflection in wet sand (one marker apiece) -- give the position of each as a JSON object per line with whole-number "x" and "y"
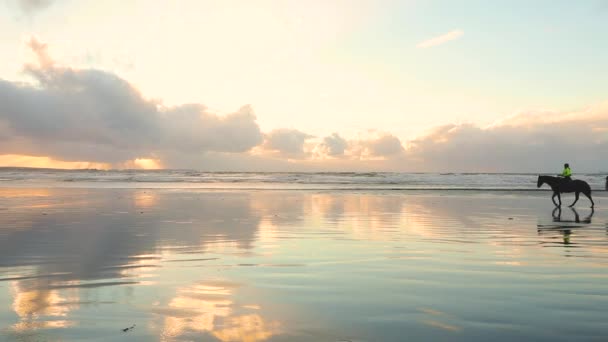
{"x": 560, "y": 186}
{"x": 557, "y": 216}
{"x": 565, "y": 226}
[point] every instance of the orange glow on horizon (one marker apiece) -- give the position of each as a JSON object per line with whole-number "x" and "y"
{"x": 147, "y": 164}
{"x": 142, "y": 163}
{"x": 19, "y": 160}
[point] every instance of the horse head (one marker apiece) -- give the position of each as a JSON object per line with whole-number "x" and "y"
{"x": 540, "y": 181}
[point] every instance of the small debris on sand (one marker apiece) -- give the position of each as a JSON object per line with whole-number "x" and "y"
{"x": 129, "y": 328}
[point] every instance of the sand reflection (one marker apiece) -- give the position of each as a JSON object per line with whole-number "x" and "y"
{"x": 145, "y": 199}
{"x": 24, "y": 192}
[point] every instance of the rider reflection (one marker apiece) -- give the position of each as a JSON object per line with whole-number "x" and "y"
{"x": 564, "y": 228}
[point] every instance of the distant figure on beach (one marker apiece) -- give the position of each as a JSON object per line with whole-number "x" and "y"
{"x": 567, "y": 173}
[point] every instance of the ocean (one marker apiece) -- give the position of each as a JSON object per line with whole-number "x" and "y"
{"x": 28, "y": 177}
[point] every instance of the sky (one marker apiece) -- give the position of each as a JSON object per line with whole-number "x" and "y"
{"x": 285, "y": 85}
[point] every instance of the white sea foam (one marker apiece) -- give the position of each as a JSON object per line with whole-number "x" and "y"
{"x": 20, "y": 177}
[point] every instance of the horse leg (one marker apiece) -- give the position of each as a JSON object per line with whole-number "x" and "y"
{"x": 588, "y": 194}
{"x": 553, "y": 199}
{"x": 575, "y": 199}
{"x": 559, "y": 199}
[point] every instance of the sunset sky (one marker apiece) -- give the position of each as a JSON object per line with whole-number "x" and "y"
{"x": 337, "y": 85}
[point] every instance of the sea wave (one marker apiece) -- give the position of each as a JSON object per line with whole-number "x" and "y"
{"x": 292, "y": 180}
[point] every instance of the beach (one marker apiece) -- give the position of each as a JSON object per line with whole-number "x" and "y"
{"x": 144, "y": 264}
{"x": 303, "y": 171}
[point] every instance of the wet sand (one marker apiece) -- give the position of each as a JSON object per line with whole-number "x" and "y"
{"x": 162, "y": 264}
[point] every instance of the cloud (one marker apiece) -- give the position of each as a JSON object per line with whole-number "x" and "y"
{"x": 452, "y": 35}
{"x": 30, "y": 7}
{"x": 85, "y": 117}
{"x": 378, "y": 146}
{"x": 40, "y": 50}
{"x": 384, "y": 146}
{"x": 525, "y": 142}
{"x": 530, "y": 141}
{"x": 192, "y": 128}
{"x": 287, "y": 142}
{"x": 332, "y": 146}
{"x": 86, "y": 114}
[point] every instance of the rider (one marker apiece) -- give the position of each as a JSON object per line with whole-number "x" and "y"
{"x": 567, "y": 173}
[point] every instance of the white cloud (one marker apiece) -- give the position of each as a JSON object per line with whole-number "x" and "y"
{"x": 444, "y": 38}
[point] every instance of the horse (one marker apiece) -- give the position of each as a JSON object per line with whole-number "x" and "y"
{"x": 560, "y": 186}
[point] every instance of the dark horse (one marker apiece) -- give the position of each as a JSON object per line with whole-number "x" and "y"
{"x": 560, "y": 185}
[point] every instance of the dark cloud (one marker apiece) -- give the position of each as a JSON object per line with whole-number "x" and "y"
{"x": 384, "y": 146}
{"x": 333, "y": 145}
{"x": 30, "y": 7}
{"x": 74, "y": 114}
{"x": 191, "y": 128}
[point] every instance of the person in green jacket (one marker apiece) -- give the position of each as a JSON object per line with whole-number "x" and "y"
{"x": 567, "y": 173}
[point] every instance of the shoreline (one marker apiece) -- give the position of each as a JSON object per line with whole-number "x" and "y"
{"x": 303, "y": 189}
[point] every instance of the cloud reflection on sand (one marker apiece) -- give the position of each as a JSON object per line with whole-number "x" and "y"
{"x": 359, "y": 216}
{"x": 208, "y": 259}
{"x": 209, "y": 307}
{"x": 121, "y": 239}
{"x": 42, "y": 308}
